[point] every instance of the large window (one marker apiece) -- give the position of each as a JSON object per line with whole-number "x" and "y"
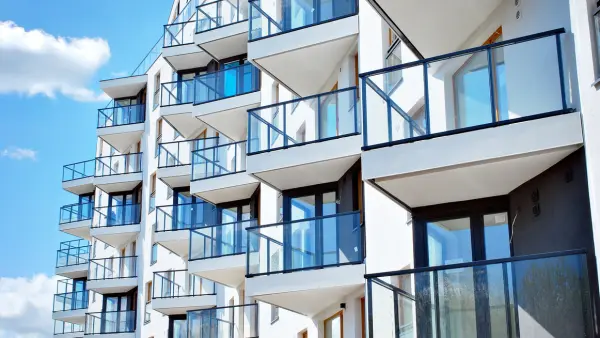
{"x": 333, "y": 326}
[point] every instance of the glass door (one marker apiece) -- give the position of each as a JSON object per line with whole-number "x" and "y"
{"x": 230, "y": 78}
{"x": 298, "y": 13}
{"x": 121, "y": 209}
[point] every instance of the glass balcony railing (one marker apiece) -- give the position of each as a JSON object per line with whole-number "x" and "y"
{"x": 121, "y": 115}
{"x": 219, "y": 160}
{"x": 79, "y": 170}
{"x": 490, "y": 85}
{"x": 177, "y": 92}
{"x": 181, "y": 33}
{"x": 295, "y": 14}
{"x": 73, "y": 253}
{"x": 184, "y": 216}
{"x": 303, "y": 244}
{"x": 173, "y": 154}
{"x": 119, "y": 164}
{"x": 529, "y": 296}
{"x": 304, "y": 120}
{"x": 219, "y": 14}
{"x": 149, "y": 59}
{"x": 232, "y": 322}
{"x": 226, "y": 83}
{"x": 109, "y": 322}
{"x": 113, "y": 268}
{"x": 70, "y": 301}
{"x": 219, "y": 240}
{"x": 67, "y": 328}
{"x": 178, "y": 283}
{"x": 116, "y": 215}
{"x": 76, "y": 212}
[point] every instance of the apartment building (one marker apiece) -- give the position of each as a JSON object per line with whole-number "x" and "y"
{"x": 344, "y": 168}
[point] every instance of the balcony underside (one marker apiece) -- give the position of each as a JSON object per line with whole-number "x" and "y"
{"x": 80, "y": 186}
{"x": 120, "y": 182}
{"x": 422, "y": 26}
{"x": 309, "y": 164}
{"x": 124, "y": 86}
{"x": 188, "y": 56}
{"x": 226, "y": 188}
{"x": 177, "y": 241}
{"x": 181, "y": 118}
{"x": 175, "y": 177}
{"x": 79, "y": 229}
{"x": 224, "y": 41}
{"x": 116, "y": 236}
{"x": 181, "y": 305}
{"x": 292, "y": 57}
{"x": 122, "y": 137}
{"x": 71, "y": 316}
{"x": 472, "y": 165}
{"x": 73, "y": 271}
{"x": 229, "y": 116}
{"x": 307, "y": 292}
{"x": 108, "y": 286}
{"x": 227, "y": 270}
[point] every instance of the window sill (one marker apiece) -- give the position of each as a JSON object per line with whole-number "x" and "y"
{"x": 273, "y": 321}
{"x": 596, "y": 83}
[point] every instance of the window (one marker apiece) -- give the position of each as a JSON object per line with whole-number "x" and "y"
{"x": 333, "y": 326}
{"x": 158, "y": 137}
{"x": 597, "y": 29}
{"x": 156, "y": 99}
{"x": 147, "y": 314}
{"x": 95, "y": 243}
{"x": 152, "y": 193}
{"x": 274, "y": 314}
{"x": 393, "y": 57}
{"x": 148, "y": 292}
{"x": 176, "y": 134}
{"x": 169, "y": 192}
{"x": 154, "y": 254}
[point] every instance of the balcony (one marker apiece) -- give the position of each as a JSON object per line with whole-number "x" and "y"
{"x": 534, "y": 296}
{"x": 179, "y": 49}
{"x": 78, "y": 178}
{"x": 222, "y": 28}
{"x": 118, "y": 172}
{"x": 284, "y": 37}
{"x": 313, "y": 139}
{"x": 72, "y": 259}
{"x": 68, "y": 330}
{"x": 111, "y": 324}
{"x": 508, "y": 122}
{"x": 219, "y": 173}
{"x": 177, "y": 105}
{"x": 112, "y": 275}
{"x": 175, "y": 292}
{"x": 131, "y": 85}
{"x": 121, "y": 126}
{"x": 69, "y": 306}
{"x": 217, "y": 252}
{"x": 222, "y": 99}
{"x": 116, "y": 225}
{"x": 240, "y": 321}
{"x": 175, "y": 159}
{"x": 75, "y": 219}
{"x": 306, "y": 265}
{"x": 173, "y": 224}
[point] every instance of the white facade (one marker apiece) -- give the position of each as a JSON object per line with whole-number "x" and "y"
{"x": 253, "y": 110}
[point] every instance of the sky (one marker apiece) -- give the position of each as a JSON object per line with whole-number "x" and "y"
{"x": 52, "y": 55}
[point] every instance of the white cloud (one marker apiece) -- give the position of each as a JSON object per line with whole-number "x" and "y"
{"x": 26, "y": 307}
{"x": 16, "y": 153}
{"x": 35, "y": 62}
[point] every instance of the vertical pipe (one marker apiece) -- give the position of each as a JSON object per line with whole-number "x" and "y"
{"x": 388, "y": 106}
{"x": 396, "y": 321}
{"x": 490, "y": 61}
{"x": 370, "y": 307}
{"x": 355, "y": 101}
{"x": 561, "y": 74}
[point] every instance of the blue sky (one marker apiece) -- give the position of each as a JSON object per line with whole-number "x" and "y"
{"x": 62, "y": 129}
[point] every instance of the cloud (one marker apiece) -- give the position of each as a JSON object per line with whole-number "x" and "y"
{"x": 26, "y": 307}
{"x": 16, "y": 153}
{"x": 35, "y": 62}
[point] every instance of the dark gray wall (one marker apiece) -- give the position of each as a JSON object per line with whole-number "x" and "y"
{"x": 564, "y": 221}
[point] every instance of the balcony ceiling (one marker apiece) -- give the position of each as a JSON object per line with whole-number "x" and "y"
{"x": 437, "y": 27}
